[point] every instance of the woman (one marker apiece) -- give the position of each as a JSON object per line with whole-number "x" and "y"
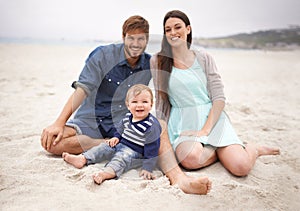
{"x": 190, "y": 97}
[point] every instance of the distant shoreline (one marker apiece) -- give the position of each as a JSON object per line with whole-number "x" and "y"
{"x": 154, "y": 43}
{"x": 275, "y": 39}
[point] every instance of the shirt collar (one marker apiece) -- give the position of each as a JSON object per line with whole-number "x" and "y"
{"x": 123, "y": 60}
{"x": 145, "y": 119}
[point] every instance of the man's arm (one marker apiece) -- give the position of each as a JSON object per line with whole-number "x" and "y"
{"x": 54, "y": 133}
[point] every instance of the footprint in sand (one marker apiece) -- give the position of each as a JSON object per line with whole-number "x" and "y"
{"x": 77, "y": 176}
{"x": 245, "y": 110}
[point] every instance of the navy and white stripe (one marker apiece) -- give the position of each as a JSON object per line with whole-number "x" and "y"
{"x": 135, "y": 131}
{"x": 142, "y": 136}
{"x": 137, "y": 135}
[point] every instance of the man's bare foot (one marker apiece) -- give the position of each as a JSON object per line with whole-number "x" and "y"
{"x": 265, "y": 150}
{"x": 100, "y": 177}
{"x": 194, "y": 185}
{"x": 77, "y": 161}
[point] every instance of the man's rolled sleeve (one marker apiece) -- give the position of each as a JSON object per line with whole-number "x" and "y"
{"x": 90, "y": 77}
{"x": 77, "y": 84}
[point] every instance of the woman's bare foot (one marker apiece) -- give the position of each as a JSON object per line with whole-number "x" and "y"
{"x": 265, "y": 150}
{"x": 194, "y": 185}
{"x": 100, "y": 177}
{"x": 77, "y": 161}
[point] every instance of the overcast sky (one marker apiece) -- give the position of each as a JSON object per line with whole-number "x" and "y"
{"x": 96, "y": 19}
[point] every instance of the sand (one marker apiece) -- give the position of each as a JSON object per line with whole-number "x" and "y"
{"x": 263, "y": 102}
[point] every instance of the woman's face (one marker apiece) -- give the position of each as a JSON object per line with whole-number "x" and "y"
{"x": 176, "y": 31}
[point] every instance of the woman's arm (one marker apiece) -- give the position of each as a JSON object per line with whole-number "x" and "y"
{"x": 216, "y": 93}
{"x": 213, "y": 116}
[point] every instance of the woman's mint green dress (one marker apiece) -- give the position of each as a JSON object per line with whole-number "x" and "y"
{"x": 191, "y": 104}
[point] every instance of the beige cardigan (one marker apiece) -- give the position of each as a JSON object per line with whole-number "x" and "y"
{"x": 215, "y": 86}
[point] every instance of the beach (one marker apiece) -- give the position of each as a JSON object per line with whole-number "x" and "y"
{"x": 262, "y": 101}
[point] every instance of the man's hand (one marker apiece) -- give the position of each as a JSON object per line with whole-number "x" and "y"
{"x": 51, "y": 136}
{"x": 112, "y": 142}
{"x": 147, "y": 175}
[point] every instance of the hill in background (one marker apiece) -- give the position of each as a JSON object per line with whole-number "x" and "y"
{"x": 275, "y": 39}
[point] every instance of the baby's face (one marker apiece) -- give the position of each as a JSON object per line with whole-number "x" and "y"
{"x": 140, "y": 105}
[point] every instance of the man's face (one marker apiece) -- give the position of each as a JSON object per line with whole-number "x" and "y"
{"x": 135, "y": 43}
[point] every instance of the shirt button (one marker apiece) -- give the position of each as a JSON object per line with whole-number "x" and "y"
{"x": 118, "y": 82}
{"x": 130, "y": 72}
{"x": 109, "y": 80}
{"x": 120, "y": 106}
{"x": 128, "y": 85}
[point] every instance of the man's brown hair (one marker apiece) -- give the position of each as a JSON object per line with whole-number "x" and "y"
{"x": 136, "y": 22}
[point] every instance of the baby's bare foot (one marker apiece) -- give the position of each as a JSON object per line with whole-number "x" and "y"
{"x": 77, "y": 161}
{"x": 103, "y": 175}
{"x": 98, "y": 178}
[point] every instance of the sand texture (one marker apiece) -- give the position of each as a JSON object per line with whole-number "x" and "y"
{"x": 263, "y": 102}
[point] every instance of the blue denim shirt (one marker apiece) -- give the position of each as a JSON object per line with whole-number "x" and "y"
{"x": 105, "y": 78}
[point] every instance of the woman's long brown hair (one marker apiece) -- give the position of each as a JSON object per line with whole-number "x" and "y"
{"x": 165, "y": 57}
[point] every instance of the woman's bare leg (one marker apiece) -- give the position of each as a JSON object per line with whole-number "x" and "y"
{"x": 169, "y": 165}
{"x": 192, "y": 155}
{"x": 239, "y": 160}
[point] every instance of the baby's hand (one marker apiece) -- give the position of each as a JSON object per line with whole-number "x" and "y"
{"x": 112, "y": 142}
{"x": 147, "y": 175}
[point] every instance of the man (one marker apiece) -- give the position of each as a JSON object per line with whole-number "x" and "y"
{"x": 99, "y": 101}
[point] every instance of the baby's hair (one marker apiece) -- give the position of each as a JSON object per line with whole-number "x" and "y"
{"x": 136, "y": 89}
